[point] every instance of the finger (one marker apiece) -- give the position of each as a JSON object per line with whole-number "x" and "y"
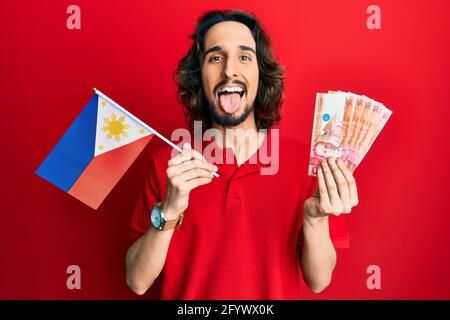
{"x": 184, "y": 155}
{"x": 324, "y": 200}
{"x": 353, "y": 191}
{"x": 188, "y": 165}
{"x": 342, "y": 186}
{"x": 194, "y": 183}
{"x": 194, "y": 153}
{"x": 331, "y": 187}
{"x": 187, "y": 154}
{"x": 195, "y": 173}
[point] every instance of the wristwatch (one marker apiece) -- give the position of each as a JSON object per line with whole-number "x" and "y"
{"x": 159, "y": 221}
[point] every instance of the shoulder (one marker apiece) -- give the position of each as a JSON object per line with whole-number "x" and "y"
{"x": 293, "y": 147}
{"x": 289, "y": 141}
{"x": 293, "y": 154}
{"x": 160, "y": 152}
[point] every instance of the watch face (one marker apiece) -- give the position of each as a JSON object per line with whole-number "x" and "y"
{"x": 155, "y": 216}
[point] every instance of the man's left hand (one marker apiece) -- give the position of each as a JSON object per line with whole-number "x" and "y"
{"x": 337, "y": 192}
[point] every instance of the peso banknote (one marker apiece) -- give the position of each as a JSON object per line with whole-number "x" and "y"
{"x": 345, "y": 126}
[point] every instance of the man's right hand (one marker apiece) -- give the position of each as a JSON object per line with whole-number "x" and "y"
{"x": 186, "y": 171}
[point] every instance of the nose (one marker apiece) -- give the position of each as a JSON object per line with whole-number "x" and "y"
{"x": 231, "y": 69}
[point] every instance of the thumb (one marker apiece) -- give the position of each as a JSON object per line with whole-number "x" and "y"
{"x": 187, "y": 146}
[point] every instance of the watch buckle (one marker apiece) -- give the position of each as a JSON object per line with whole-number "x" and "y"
{"x": 180, "y": 221}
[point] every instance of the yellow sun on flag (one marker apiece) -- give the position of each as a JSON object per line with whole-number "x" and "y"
{"x": 115, "y": 127}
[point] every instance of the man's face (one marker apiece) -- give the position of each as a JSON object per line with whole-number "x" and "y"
{"x": 230, "y": 72}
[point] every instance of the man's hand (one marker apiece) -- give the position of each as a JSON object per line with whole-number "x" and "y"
{"x": 186, "y": 171}
{"x": 337, "y": 192}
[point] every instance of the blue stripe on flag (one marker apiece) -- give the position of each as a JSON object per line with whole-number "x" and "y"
{"x": 74, "y": 150}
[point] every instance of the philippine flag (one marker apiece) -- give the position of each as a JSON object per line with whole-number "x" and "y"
{"x": 96, "y": 151}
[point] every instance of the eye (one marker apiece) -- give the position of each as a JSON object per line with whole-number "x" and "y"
{"x": 246, "y": 58}
{"x": 214, "y": 59}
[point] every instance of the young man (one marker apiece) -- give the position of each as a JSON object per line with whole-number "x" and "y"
{"x": 245, "y": 235}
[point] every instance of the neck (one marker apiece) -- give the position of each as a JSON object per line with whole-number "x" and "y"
{"x": 244, "y": 139}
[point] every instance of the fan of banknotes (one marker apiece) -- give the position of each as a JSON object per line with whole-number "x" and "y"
{"x": 345, "y": 126}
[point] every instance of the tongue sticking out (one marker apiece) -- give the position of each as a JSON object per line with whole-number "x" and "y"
{"x": 230, "y": 102}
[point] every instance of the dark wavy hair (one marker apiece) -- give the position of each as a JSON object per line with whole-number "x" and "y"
{"x": 270, "y": 94}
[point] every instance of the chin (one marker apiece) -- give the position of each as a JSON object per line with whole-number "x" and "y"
{"x": 230, "y": 119}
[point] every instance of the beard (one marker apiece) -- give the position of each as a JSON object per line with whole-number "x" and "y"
{"x": 229, "y": 120}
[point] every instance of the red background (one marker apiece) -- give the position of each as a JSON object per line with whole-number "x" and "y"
{"x": 129, "y": 50}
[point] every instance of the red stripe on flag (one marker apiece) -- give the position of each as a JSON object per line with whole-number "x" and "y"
{"x": 104, "y": 171}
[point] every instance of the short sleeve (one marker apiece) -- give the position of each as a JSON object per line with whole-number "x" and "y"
{"x": 339, "y": 234}
{"x": 148, "y": 196}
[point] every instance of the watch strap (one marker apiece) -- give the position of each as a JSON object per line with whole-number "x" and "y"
{"x": 170, "y": 224}
{"x": 175, "y": 223}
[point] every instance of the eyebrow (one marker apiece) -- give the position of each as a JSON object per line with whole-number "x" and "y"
{"x": 219, "y": 48}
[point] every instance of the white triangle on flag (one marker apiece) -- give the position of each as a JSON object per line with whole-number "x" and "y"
{"x": 114, "y": 128}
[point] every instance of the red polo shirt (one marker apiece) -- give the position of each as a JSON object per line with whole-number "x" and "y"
{"x": 241, "y": 232}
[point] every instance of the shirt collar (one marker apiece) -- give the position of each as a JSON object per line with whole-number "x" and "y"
{"x": 251, "y": 165}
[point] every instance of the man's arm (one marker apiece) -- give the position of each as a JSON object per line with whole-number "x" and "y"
{"x": 318, "y": 257}
{"x": 146, "y": 257}
{"x": 337, "y": 194}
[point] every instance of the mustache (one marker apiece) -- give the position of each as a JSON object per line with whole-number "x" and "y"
{"x": 225, "y": 81}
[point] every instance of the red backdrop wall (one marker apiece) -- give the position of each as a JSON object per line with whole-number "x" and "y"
{"x": 129, "y": 50}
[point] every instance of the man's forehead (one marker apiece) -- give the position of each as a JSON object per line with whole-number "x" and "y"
{"x": 229, "y": 35}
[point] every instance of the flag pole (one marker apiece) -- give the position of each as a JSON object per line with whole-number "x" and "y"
{"x": 115, "y": 104}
